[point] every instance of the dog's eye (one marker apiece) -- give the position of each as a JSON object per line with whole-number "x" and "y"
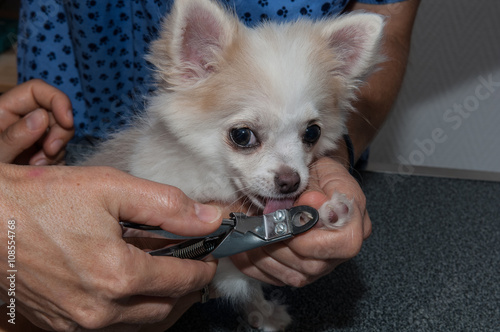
{"x": 243, "y": 137}
{"x": 312, "y": 134}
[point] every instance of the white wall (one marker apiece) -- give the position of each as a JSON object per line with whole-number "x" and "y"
{"x": 447, "y": 115}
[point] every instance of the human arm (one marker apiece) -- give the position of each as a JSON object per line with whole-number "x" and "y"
{"x": 73, "y": 267}
{"x": 376, "y": 97}
{"x": 36, "y": 123}
{"x": 316, "y": 253}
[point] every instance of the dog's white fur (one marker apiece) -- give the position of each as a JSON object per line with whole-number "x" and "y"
{"x": 214, "y": 75}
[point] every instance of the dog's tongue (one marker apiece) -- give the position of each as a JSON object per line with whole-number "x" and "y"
{"x": 277, "y": 204}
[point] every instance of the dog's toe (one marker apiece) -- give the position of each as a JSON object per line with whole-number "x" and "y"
{"x": 336, "y": 212}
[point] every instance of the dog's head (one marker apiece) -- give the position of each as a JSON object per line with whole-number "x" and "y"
{"x": 260, "y": 103}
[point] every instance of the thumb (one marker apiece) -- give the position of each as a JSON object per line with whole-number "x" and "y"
{"x": 22, "y": 134}
{"x": 155, "y": 204}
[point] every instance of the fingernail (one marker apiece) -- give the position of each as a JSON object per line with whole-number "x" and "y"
{"x": 207, "y": 213}
{"x": 56, "y": 145}
{"x": 33, "y": 121}
{"x": 41, "y": 162}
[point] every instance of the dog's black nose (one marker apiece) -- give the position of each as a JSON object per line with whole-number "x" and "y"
{"x": 287, "y": 181}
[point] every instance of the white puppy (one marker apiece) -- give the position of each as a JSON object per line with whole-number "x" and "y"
{"x": 241, "y": 113}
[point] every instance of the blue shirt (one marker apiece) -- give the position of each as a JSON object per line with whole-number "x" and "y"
{"x": 93, "y": 50}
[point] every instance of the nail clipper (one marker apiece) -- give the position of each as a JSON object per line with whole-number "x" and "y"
{"x": 236, "y": 234}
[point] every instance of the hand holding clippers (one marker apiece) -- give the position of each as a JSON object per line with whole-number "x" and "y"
{"x": 236, "y": 234}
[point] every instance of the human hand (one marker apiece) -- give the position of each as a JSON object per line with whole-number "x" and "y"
{"x": 311, "y": 255}
{"x": 36, "y": 123}
{"x": 74, "y": 269}
{"x": 182, "y": 304}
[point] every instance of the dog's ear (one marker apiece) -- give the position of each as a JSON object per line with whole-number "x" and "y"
{"x": 192, "y": 41}
{"x": 356, "y": 39}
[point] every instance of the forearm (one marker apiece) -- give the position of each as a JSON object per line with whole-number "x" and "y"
{"x": 376, "y": 97}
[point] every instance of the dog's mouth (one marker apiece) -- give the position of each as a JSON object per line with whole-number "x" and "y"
{"x": 271, "y": 204}
{"x": 277, "y": 204}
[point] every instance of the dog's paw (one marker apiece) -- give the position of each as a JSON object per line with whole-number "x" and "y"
{"x": 336, "y": 212}
{"x": 269, "y": 316}
{"x": 278, "y": 321}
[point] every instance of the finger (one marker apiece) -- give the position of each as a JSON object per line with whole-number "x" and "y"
{"x": 21, "y": 322}
{"x": 166, "y": 276}
{"x": 288, "y": 271}
{"x": 41, "y": 159}
{"x": 22, "y": 134}
{"x": 328, "y": 177}
{"x": 182, "y": 305}
{"x": 146, "y": 202}
{"x": 158, "y": 313}
{"x": 343, "y": 243}
{"x": 117, "y": 316}
{"x": 292, "y": 260}
{"x": 290, "y": 268}
{"x": 53, "y": 144}
{"x": 57, "y": 138}
{"x": 245, "y": 264}
{"x": 34, "y": 94}
{"x": 333, "y": 177}
{"x": 6, "y": 117}
{"x": 312, "y": 197}
{"x": 142, "y": 310}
